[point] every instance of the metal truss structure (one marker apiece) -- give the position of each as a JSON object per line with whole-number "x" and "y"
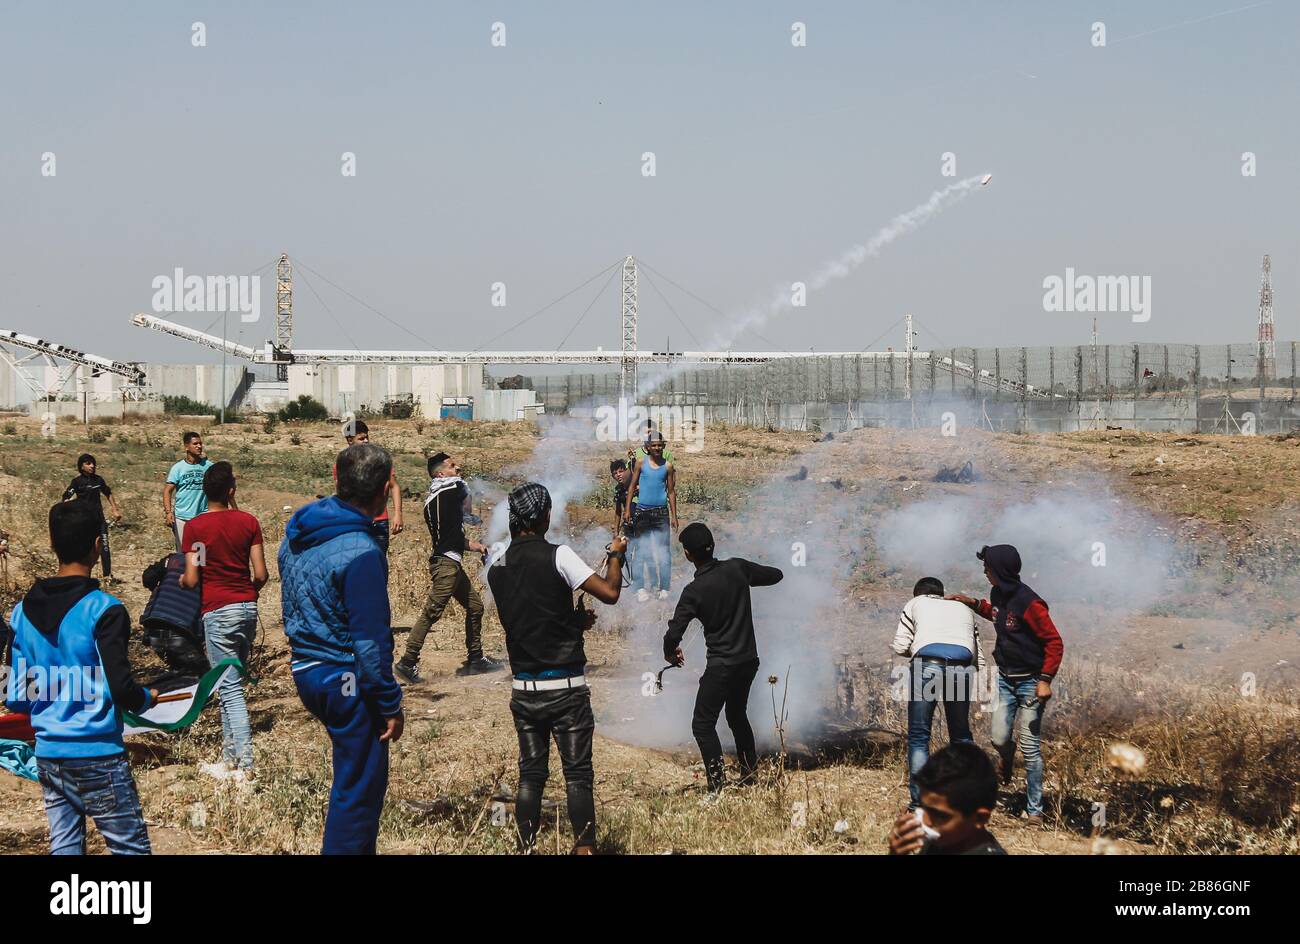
{"x": 65, "y": 361}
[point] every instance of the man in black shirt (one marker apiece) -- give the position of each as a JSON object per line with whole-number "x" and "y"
{"x": 89, "y": 487}
{"x": 444, "y": 513}
{"x": 719, "y": 598}
{"x": 533, "y": 584}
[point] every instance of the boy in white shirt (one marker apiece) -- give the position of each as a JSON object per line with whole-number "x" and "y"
{"x": 940, "y": 638}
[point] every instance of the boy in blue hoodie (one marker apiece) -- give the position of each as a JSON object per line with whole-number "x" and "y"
{"x": 334, "y": 593}
{"x": 71, "y": 675}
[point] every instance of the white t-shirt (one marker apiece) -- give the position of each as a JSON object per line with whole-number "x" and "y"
{"x": 571, "y": 567}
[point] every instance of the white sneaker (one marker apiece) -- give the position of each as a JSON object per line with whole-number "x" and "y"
{"x": 643, "y": 595}
{"x": 663, "y": 594}
{"x": 218, "y": 771}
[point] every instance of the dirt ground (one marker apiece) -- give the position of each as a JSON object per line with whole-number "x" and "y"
{"x": 1231, "y": 503}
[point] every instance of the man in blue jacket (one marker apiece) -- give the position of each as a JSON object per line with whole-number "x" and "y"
{"x": 334, "y": 593}
{"x": 71, "y": 675}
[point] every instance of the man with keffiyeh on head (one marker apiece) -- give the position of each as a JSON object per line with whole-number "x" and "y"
{"x": 1028, "y": 653}
{"x": 444, "y": 513}
{"x": 533, "y": 584}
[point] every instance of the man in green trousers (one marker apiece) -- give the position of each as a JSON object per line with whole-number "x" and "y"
{"x": 444, "y": 513}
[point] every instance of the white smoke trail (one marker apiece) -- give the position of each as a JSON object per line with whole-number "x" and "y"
{"x": 839, "y": 267}
{"x": 851, "y": 259}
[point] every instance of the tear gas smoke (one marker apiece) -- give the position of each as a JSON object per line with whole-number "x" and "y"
{"x": 810, "y": 534}
{"x": 557, "y": 463}
{"x": 1078, "y": 544}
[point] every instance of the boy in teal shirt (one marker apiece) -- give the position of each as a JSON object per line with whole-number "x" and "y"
{"x": 183, "y": 497}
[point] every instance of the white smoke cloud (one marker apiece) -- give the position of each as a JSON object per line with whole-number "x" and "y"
{"x": 1078, "y": 544}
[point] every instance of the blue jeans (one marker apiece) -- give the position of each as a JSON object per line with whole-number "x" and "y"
{"x": 229, "y": 631}
{"x": 331, "y": 693}
{"x": 101, "y": 788}
{"x": 1018, "y": 702}
{"x": 654, "y": 553}
{"x": 932, "y": 683}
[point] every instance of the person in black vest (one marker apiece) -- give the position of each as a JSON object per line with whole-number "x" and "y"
{"x": 532, "y": 584}
{"x": 89, "y": 487}
{"x": 719, "y": 598}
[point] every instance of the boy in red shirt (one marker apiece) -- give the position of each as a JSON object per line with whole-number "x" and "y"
{"x": 222, "y": 544}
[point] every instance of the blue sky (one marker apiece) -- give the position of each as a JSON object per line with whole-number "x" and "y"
{"x": 522, "y": 165}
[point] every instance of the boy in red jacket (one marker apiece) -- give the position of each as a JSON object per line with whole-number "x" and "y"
{"x": 1028, "y": 654}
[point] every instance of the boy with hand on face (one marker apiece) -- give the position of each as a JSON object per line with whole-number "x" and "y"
{"x": 959, "y": 789}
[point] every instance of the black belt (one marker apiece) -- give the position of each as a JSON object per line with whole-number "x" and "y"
{"x": 939, "y": 660}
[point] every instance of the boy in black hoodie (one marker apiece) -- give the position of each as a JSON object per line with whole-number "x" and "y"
{"x": 71, "y": 676}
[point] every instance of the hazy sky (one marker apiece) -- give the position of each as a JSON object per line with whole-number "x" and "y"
{"x": 522, "y": 164}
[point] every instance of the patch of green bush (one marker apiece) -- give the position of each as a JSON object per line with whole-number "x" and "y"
{"x": 305, "y": 408}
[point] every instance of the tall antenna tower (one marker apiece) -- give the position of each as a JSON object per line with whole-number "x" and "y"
{"x": 283, "y": 311}
{"x": 627, "y": 386}
{"x": 908, "y": 347}
{"x": 1267, "y": 345}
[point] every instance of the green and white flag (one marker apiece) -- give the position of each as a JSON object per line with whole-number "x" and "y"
{"x": 179, "y": 711}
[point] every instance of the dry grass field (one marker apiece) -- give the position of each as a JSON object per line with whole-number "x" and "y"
{"x": 1164, "y": 670}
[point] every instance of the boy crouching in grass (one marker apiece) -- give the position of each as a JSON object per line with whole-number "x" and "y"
{"x": 71, "y": 675}
{"x": 959, "y": 789}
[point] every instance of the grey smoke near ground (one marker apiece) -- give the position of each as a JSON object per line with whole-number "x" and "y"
{"x": 794, "y": 621}
{"x": 896, "y": 533}
{"x": 1080, "y": 543}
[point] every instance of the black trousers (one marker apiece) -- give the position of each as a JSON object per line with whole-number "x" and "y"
{"x": 724, "y": 687}
{"x": 565, "y": 715}
{"x": 105, "y": 558}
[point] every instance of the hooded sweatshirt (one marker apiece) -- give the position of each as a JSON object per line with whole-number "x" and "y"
{"x": 1028, "y": 644}
{"x": 70, "y": 668}
{"x": 334, "y": 594}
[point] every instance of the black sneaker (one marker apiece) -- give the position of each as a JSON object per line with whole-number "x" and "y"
{"x": 480, "y": 666}
{"x": 408, "y": 673}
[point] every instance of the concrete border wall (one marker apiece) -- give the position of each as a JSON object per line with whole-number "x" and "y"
{"x": 1178, "y": 415}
